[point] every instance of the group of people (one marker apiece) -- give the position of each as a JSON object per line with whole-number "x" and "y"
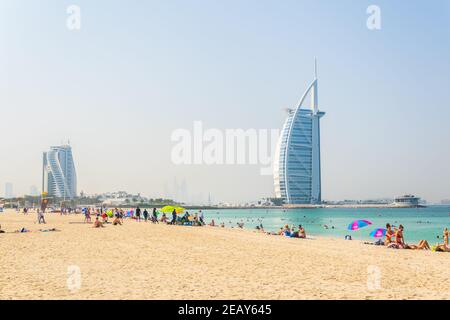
{"x": 286, "y": 231}
{"x": 102, "y": 217}
{"x": 395, "y": 239}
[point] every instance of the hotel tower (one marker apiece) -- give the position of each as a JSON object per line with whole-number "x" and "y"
{"x": 59, "y": 178}
{"x": 297, "y": 160}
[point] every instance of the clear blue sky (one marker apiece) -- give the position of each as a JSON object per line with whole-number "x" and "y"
{"x": 137, "y": 70}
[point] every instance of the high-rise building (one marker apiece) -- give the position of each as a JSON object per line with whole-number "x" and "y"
{"x": 297, "y": 177}
{"x": 59, "y": 178}
{"x": 9, "y": 192}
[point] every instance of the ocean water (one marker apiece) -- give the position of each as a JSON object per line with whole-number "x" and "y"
{"x": 419, "y": 223}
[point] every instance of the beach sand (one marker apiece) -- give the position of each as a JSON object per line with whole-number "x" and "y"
{"x": 146, "y": 261}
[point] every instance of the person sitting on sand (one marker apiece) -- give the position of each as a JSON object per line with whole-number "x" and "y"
{"x": 399, "y": 240}
{"x": 389, "y": 234}
{"x": 287, "y": 231}
{"x": 301, "y": 232}
{"x": 212, "y": 223}
{"x": 97, "y": 223}
{"x": 444, "y": 247}
{"x": 164, "y": 218}
{"x": 117, "y": 222}
{"x": 222, "y": 225}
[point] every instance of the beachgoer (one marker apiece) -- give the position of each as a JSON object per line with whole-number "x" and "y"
{"x": 164, "y": 218}
{"x": 422, "y": 245}
{"x": 174, "y": 217}
{"x": 1, "y": 231}
{"x": 154, "y": 216}
{"x": 117, "y": 222}
{"x": 145, "y": 215}
{"x": 389, "y": 234}
{"x": 212, "y": 223}
{"x": 301, "y": 232}
{"x": 97, "y": 223}
{"x": 287, "y": 231}
{"x": 399, "y": 240}
{"x": 41, "y": 218}
{"x": 201, "y": 217}
{"x": 138, "y": 214}
{"x": 444, "y": 247}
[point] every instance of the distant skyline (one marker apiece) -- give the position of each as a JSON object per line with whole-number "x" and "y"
{"x": 136, "y": 71}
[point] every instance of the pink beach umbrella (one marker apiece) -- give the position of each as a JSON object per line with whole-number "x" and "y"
{"x": 358, "y": 224}
{"x": 378, "y": 233}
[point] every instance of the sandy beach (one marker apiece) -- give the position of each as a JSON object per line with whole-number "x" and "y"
{"x": 147, "y": 261}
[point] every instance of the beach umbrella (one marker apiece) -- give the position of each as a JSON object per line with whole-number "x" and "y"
{"x": 169, "y": 209}
{"x": 358, "y": 224}
{"x": 378, "y": 233}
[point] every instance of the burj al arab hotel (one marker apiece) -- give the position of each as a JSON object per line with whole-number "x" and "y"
{"x": 297, "y": 177}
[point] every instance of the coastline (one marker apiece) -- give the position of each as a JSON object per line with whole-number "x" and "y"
{"x": 146, "y": 261}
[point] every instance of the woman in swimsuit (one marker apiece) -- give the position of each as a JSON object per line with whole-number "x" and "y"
{"x": 423, "y": 245}
{"x": 399, "y": 240}
{"x": 444, "y": 247}
{"x": 389, "y": 235}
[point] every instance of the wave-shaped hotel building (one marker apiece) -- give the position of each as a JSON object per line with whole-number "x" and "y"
{"x": 59, "y": 178}
{"x": 297, "y": 176}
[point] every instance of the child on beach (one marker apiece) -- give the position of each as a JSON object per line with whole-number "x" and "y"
{"x": 41, "y": 218}
{"x": 98, "y": 224}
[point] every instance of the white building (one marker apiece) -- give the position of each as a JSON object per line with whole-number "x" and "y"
{"x": 297, "y": 174}
{"x": 59, "y": 178}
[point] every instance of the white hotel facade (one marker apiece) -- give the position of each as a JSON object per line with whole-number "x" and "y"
{"x": 297, "y": 167}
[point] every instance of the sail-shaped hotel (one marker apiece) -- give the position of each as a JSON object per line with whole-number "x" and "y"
{"x": 297, "y": 177}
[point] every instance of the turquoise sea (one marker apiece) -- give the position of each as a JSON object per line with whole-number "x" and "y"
{"x": 420, "y": 223}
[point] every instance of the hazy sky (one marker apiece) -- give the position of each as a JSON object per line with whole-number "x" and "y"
{"x": 138, "y": 70}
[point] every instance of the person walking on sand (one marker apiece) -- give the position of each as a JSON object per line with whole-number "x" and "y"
{"x": 201, "y": 217}
{"x": 138, "y": 214}
{"x": 154, "y": 216}
{"x": 87, "y": 215}
{"x": 40, "y": 217}
{"x": 145, "y": 215}
{"x": 174, "y": 217}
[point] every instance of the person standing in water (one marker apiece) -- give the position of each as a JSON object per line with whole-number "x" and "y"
{"x": 138, "y": 214}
